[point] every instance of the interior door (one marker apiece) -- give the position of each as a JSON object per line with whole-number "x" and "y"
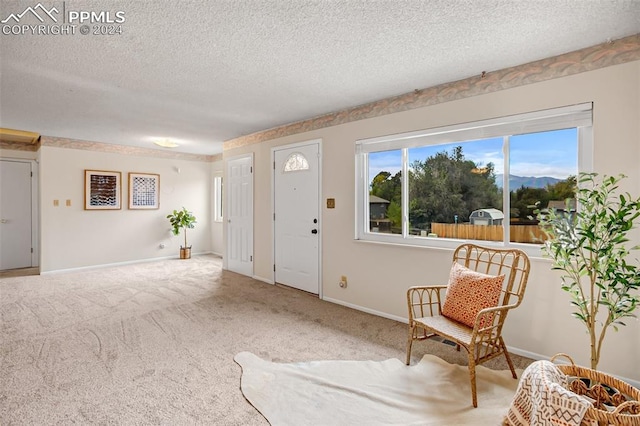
{"x": 297, "y": 217}
{"x": 15, "y": 215}
{"x": 239, "y": 211}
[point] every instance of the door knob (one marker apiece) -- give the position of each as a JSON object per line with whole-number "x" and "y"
{"x": 3, "y": 221}
{"x": 314, "y": 231}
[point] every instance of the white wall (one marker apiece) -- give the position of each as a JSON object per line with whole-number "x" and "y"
{"x": 379, "y": 274}
{"x": 14, "y": 153}
{"x": 72, "y": 237}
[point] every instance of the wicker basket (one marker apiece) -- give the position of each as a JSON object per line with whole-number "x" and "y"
{"x": 614, "y": 401}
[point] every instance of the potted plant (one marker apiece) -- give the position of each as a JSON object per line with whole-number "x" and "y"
{"x": 181, "y": 220}
{"x": 590, "y": 245}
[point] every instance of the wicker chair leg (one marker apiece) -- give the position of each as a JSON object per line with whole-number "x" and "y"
{"x": 506, "y": 355}
{"x": 472, "y": 377}
{"x": 409, "y": 343}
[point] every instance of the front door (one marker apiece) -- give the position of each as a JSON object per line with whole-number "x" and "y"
{"x": 297, "y": 216}
{"x": 239, "y": 213}
{"x": 15, "y": 214}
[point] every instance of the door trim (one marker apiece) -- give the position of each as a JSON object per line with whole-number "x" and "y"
{"x": 35, "y": 215}
{"x": 227, "y": 200}
{"x": 35, "y": 207}
{"x": 320, "y": 216}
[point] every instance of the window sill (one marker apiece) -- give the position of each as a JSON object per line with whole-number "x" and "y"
{"x": 533, "y": 251}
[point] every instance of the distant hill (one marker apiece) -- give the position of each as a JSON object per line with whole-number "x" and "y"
{"x": 516, "y": 182}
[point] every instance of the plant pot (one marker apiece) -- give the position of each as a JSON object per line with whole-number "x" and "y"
{"x": 185, "y": 252}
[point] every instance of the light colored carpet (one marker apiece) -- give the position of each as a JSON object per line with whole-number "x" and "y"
{"x": 153, "y": 343}
{"x": 432, "y": 392}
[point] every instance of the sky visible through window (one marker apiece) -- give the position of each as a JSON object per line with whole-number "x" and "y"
{"x": 551, "y": 154}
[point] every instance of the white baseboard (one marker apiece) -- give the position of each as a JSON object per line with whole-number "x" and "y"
{"x": 538, "y": 357}
{"x": 527, "y": 354}
{"x": 516, "y": 351}
{"x": 264, "y": 280}
{"x": 109, "y": 265}
{"x": 255, "y": 277}
{"x": 367, "y": 310}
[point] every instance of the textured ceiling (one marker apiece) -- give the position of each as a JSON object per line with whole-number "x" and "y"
{"x": 205, "y": 72}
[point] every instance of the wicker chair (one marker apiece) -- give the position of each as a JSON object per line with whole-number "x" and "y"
{"x": 483, "y": 341}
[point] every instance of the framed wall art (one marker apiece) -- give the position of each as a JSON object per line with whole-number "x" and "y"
{"x": 102, "y": 190}
{"x": 144, "y": 191}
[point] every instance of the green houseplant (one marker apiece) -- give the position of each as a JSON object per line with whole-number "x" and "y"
{"x": 591, "y": 247}
{"x": 182, "y": 220}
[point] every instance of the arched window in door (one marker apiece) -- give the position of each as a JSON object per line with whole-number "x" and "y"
{"x": 295, "y": 162}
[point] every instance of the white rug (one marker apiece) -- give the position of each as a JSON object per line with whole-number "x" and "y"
{"x": 433, "y": 392}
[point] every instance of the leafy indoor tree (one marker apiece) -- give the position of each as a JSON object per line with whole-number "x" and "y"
{"x": 182, "y": 220}
{"x": 591, "y": 247}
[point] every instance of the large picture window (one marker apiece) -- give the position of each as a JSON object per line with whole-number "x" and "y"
{"x": 477, "y": 181}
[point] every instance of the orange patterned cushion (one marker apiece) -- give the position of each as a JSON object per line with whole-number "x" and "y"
{"x": 468, "y": 293}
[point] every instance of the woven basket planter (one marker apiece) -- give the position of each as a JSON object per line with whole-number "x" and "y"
{"x": 614, "y": 401}
{"x": 185, "y": 252}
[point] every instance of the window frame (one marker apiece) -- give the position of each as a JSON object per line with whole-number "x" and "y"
{"x": 578, "y": 116}
{"x": 217, "y": 199}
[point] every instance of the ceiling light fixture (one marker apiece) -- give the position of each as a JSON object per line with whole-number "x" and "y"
{"x": 166, "y": 143}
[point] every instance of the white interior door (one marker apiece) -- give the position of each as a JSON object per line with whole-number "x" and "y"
{"x": 15, "y": 215}
{"x": 239, "y": 212}
{"x": 297, "y": 216}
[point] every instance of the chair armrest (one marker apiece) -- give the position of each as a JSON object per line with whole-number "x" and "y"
{"x": 491, "y": 318}
{"x": 424, "y": 301}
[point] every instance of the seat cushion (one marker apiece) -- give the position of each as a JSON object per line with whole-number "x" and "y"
{"x": 468, "y": 293}
{"x": 447, "y": 328}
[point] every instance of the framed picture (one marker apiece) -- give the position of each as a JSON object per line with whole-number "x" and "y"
{"x": 102, "y": 190}
{"x": 144, "y": 191}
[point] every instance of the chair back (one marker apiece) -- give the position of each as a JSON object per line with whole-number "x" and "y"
{"x": 513, "y": 263}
